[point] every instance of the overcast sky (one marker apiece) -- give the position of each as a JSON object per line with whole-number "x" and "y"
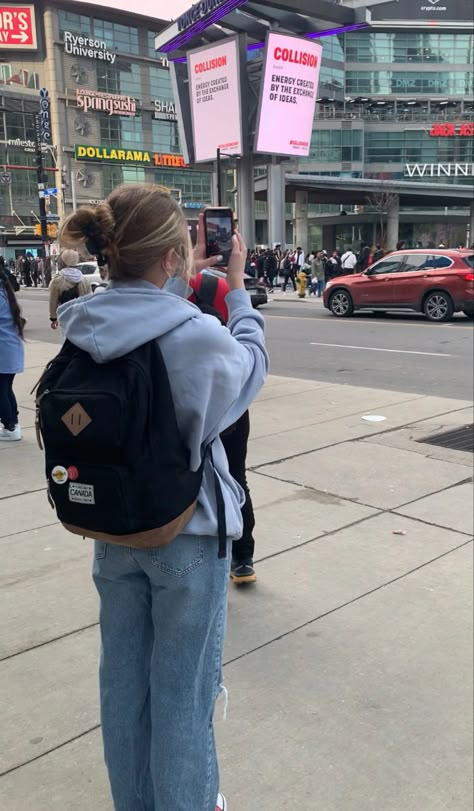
{"x": 162, "y": 9}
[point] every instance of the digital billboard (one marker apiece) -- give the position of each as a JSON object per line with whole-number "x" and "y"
{"x": 288, "y": 95}
{"x": 214, "y": 89}
{"x": 159, "y": 9}
{"x": 432, "y": 12}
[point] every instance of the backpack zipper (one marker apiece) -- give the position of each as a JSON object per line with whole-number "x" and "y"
{"x": 38, "y": 419}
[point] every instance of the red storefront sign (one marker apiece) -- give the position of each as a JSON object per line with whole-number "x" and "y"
{"x": 446, "y": 130}
{"x": 17, "y": 28}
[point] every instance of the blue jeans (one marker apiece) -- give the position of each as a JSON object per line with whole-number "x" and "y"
{"x": 162, "y": 619}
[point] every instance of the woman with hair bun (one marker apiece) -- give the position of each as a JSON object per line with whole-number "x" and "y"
{"x": 163, "y": 610}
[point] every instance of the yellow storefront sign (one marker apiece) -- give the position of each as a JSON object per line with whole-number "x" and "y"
{"x": 135, "y": 156}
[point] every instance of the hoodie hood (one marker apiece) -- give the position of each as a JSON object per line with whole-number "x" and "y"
{"x": 125, "y": 316}
{"x": 73, "y": 275}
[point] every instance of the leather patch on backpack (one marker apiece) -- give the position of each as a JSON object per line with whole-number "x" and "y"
{"x": 76, "y": 419}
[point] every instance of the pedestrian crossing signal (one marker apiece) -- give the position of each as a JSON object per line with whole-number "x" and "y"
{"x": 37, "y": 230}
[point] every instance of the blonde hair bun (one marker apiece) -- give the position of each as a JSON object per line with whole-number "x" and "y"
{"x": 132, "y": 231}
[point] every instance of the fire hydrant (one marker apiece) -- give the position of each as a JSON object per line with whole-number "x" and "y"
{"x": 302, "y": 282}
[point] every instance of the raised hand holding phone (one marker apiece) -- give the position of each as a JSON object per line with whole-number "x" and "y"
{"x": 236, "y": 266}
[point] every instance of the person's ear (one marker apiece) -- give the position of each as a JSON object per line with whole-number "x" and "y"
{"x": 170, "y": 262}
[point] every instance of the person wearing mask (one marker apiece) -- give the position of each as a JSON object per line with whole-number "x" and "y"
{"x": 288, "y": 270}
{"x": 66, "y": 285}
{"x": 333, "y": 267}
{"x": 348, "y": 261}
{"x": 163, "y": 610}
{"x": 12, "y": 358}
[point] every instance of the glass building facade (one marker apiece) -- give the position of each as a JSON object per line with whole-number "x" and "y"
{"x": 382, "y": 94}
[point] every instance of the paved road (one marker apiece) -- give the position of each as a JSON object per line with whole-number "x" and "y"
{"x": 393, "y": 352}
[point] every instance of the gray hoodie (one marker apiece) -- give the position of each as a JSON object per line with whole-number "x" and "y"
{"x": 215, "y": 372}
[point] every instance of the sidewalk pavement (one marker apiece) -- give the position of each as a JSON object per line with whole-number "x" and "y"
{"x": 348, "y": 665}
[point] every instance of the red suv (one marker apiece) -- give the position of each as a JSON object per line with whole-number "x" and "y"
{"x": 435, "y": 282}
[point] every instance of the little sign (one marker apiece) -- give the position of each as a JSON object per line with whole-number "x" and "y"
{"x": 18, "y": 28}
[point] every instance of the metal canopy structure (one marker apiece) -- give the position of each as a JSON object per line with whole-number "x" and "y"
{"x": 303, "y": 17}
{"x": 341, "y": 190}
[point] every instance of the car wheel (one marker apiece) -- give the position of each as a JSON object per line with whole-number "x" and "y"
{"x": 438, "y": 306}
{"x": 341, "y": 304}
{"x": 468, "y": 313}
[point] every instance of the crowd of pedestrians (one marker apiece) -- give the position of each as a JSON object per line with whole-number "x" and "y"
{"x": 31, "y": 271}
{"x": 308, "y": 273}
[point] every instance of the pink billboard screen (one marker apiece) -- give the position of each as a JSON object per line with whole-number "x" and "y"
{"x": 288, "y": 95}
{"x": 214, "y": 87}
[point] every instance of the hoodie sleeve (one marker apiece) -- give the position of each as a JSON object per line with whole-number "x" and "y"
{"x": 220, "y": 371}
{"x": 54, "y": 286}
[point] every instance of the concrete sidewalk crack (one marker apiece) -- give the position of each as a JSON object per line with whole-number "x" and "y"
{"x": 348, "y": 603}
{"x": 50, "y": 751}
{"x": 347, "y": 416}
{"x": 49, "y": 641}
{"x": 361, "y": 438}
{"x": 260, "y": 647}
{"x": 357, "y": 501}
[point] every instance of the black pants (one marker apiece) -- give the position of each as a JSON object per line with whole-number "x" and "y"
{"x": 288, "y": 275}
{"x": 271, "y": 278}
{"x": 8, "y": 405}
{"x": 235, "y": 442}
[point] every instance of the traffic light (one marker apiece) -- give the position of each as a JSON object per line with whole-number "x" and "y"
{"x": 38, "y": 230}
{"x": 52, "y": 230}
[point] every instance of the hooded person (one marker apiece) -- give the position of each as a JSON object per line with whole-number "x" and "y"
{"x": 163, "y": 609}
{"x": 66, "y": 285}
{"x": 209, "y": 293}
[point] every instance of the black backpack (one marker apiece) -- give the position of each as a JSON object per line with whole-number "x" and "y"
{"x": 69, "y": 295}
{"x": 116, "y": 466}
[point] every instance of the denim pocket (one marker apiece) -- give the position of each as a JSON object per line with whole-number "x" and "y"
{"x": 100, "y": 550}
{"x": 180, "y": 557}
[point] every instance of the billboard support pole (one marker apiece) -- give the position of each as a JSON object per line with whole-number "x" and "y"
{"x": 246, "y": 199}
{"x": 276, "y": 209}
{"x": 219, "y": 177}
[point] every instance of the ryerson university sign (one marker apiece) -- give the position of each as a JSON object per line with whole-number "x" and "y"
{"x": 84, "y": 46}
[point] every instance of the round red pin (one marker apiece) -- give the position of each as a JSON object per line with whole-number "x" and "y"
{"x": 73, "y": 473}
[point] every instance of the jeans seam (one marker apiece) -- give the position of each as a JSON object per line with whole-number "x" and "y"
{"x": 217, "y": 677}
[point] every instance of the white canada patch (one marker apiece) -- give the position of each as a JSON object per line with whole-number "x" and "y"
{"x": 81, "y": 493}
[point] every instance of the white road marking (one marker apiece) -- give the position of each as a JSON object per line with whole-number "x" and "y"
{"x": 457, "y": 324}
{"x": 378, "y": 349}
